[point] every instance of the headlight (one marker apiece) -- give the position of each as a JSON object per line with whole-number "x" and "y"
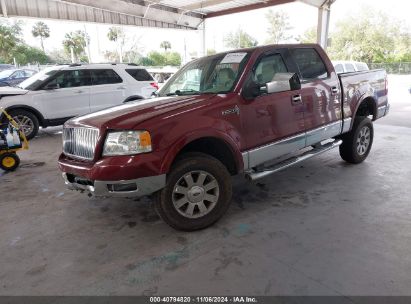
{"x": 127, "y": 143}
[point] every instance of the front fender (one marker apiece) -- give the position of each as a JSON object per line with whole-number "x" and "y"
{"x": 187, "y": 138}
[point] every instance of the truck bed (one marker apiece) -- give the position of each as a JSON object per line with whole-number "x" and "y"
{"x": 357, "y": 86}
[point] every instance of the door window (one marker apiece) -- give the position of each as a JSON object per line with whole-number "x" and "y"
{"x": 17, "y": 74}
{"x": 310, "y": 63}
{"x": 139, "y": 74}
{"x": 105, "y": 76}
{"x": 28, "y": 73}
{"x": 268, "y": 67}
{"x": 339, "y": 69}
{"x": 349, "y": 67}
{"x": 70, "y": 79}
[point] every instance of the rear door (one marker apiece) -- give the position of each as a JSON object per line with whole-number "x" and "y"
{"x": 67, "y": 94}
{"x": 142, "y": 83}
{"x": 320, "y": 92}
{"x": 273, "y": 124}
{"x": 107, "y": 90}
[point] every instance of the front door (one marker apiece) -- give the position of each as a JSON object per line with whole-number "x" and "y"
{"x": 66, "y": 95}
{"x": 272, "y": 123}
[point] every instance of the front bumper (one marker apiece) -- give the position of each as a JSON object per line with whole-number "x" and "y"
{"x": 125, "y": 188}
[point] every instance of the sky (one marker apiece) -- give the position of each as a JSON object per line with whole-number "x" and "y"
{"x": 302, "y": 17}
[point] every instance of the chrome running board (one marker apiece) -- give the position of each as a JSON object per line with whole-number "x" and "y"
{"x": 254, "y": 175}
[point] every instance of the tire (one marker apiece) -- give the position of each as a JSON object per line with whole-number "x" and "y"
{"x": 30, "y": 121}
{"x": 9, "y": 161}
{"x": 195, "y": 204}
{"x": 358, "y": 142}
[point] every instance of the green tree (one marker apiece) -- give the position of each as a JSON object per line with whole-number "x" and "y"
{"x": 279, "y": 26}
{"x": 157, "y": 58}
{"x": 370, "y": 36}
{"x": 58, "y": 56}
{"x": 165, "y": 45}
{"x": 239, "y": 39}
{"x": 40, "y": 29}
{"x": 173, "y": 58}
{"x": 145, "y": 61}
{"x": 309, "y": 36}
{"x": 76, "y": 41}
{"x": 25, "y": 54}
{"x": 9, "y": 39}
{"x": 117, "y": 35}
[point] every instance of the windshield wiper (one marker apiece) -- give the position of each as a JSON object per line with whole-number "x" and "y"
{"x": 183, "y": 92}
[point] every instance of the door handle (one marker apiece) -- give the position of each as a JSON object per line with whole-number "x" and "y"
{"x": 334, "y": 90}
{"x": 79, "y": 91}
{"x": 296, "y": 99}
{"x": 121, "y": 88}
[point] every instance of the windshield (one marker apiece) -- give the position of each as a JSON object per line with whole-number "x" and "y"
{"x": 213, "y": 75}
{"x": 6, "y": 73}
{"x": 38, "y": 79}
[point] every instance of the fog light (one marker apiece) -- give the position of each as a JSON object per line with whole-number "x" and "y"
{"x": 122, "y": 187}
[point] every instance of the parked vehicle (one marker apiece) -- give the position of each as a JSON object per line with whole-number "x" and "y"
{"x": 15, "y": 76}
{"x": 252, "y": 112}
{"x": 5, "y": 66}
{"x": 58, "y": 93}
{"x": 349, "y": 66}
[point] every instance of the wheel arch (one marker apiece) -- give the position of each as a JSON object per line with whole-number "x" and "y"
{"x": 366, "y": 107}
{"x": 132, "y": 98}
{"x": 32, "y": 110}
{"x": 220, "y": 147}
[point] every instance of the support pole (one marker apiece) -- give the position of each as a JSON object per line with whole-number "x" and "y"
{"x": 203, "y": 40}
{"x": 323, "y": 23}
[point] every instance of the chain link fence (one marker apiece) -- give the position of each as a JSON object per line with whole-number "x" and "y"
{"x": 393, "y": 68}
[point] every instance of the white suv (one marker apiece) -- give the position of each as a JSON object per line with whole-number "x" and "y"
{"x": 58, "y": 93}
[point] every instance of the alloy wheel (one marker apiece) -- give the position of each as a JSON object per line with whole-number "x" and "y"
{"x": 195, "y": 194}
{"x": 363, "y": 140}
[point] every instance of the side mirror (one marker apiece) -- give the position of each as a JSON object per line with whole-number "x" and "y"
{"x": 251, "y": 90}
{"x": 283, "y": 82}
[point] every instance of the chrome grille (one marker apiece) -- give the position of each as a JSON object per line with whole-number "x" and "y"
{"x": 80, "y": 142}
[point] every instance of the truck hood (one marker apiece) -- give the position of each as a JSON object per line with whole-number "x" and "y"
{"x": 7, "y": 91}
{"x": 129, "y": 115}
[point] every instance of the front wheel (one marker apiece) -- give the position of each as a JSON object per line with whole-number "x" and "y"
{"x": 357, "y": 143}
{"x": 27, "y": 121}
{"x": 197, "y": 194}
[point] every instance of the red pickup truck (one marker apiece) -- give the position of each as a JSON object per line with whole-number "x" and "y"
{"x": 250, "y": 111}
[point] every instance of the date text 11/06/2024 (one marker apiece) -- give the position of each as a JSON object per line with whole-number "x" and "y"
{"x": 238, "y": 299}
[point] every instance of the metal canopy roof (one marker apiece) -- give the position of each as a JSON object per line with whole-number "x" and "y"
{"x": 177, "y": 14}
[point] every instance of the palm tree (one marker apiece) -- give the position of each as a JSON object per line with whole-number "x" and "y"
{"x": 75, "y": 42}
{"x": 165, "y": 45}
{"x": 40, "y": 29}
{"x": 116, "y": 35}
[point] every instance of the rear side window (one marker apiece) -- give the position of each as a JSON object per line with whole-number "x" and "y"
{"x": 361, "y": 66}
{"x": 29, "y": 73}
{"x": 310, "y": 63}
{"x": 339, "y": 69}
{"x": 349, "y": 67}
{"x": 139, "y": 74}
{"x": 104, "y": 76}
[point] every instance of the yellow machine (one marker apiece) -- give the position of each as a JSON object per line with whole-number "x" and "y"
{"x": 9, "y": 159}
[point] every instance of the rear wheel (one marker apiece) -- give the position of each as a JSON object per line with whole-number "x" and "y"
{"x": 27, "y": 121}
{"x": 197, "y": 194}
{"x": 9, "y": 161}
{"x": 358, "y": 142}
